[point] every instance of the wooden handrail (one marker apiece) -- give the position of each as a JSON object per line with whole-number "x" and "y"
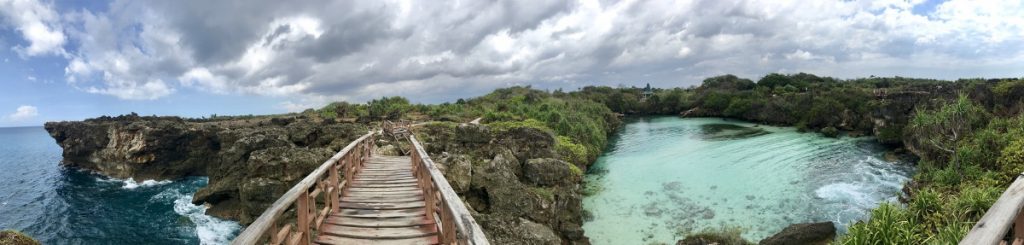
{"x": 997, "y": 221}
{"x": 457, "y": 225}
{"x": 304, "y": 197}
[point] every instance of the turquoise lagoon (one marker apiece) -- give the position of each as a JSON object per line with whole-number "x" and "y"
{"x": 664, "y": 177}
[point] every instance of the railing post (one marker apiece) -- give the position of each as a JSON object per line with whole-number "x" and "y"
{"x": 1018, "y": 229}
{"x": 448, "y": 231}
{"x": 335, "y": 186}
{"x": 302, "y": 210}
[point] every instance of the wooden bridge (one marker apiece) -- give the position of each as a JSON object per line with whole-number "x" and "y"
{"x": 358, "y": 198}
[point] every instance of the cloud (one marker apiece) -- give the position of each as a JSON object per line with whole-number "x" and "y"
{"x": 441, "y": 50}
{"x": 23, "y": 113}
{"x": 38, "y": 24}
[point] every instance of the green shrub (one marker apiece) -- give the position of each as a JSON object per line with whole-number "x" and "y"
{"x": 574, "y": 153}
{"x": 889, "y": 224}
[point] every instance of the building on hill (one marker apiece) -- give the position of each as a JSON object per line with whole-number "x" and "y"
{"x": 648, "y": 91}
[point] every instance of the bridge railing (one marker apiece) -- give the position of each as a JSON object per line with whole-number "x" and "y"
{"x": 995, "y": 226}
{"x": 324, "y": 185}
{"x": 456, "y": 224}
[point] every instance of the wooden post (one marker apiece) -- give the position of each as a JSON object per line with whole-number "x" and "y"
{"x": 1018, "y": 229}
{"x": 302, "y": 210}
{"x": 334, "y": 182}
{"x": 448, "y": 229}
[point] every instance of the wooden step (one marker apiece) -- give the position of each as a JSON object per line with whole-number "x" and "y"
{"x": 386, "y": 171}
{"x": 379, "y": 233}
{"x": 402, "y": 174}
{"x": 385, "y": 193}
{"x": 382, "y": 205}
{"x": 383, "y": 179}
{"x": 383, "y": 189}
{"x": 385, "y": 185}
{"x": 362, "y": 213}
{"x": 371, "y": 181}
{"x": 334, "y": 240}
{"x": 381, "y": 199}
{"x": 392, "y": 222}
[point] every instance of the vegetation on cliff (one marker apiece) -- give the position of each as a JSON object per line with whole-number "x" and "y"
{"x": 10, "y": 237}
{"x": 968, "y": 158}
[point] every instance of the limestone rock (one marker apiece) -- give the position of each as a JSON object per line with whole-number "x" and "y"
{"x": 806, "y": 233}
{"x": 548, "y": 172}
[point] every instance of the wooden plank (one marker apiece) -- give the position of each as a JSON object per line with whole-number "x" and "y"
{"x": 333, "y": 240}
{"x": 396, "y": 199}
{"x": 385, "y": 193}
{"x": 280, "y": 236}
{"x": 383, "y": 189}
{"x": 362, "y": 182}
{"x": 380, "y": 233}
{"x": 382, "y": 205}
{"x": 392, "y": 222}
{"x": 994, "y": 225}
{"x": 384, "y": 185}
{"x": 383, "y": 178}
{"x": 255, "y": 231}
{"x": 388, "y": 170}
{"x": 414, "y": 212}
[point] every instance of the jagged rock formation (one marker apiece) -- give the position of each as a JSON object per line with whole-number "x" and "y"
{"x": 514, "y": 181}
{"x": 250, "y": 162}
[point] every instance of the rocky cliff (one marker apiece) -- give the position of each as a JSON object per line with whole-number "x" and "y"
{"x": 519, "y": 188}
{"x": 250, "y": 162}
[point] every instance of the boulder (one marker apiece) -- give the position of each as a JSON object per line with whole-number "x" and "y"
{"x": 548, "y": 172}
{"x": 806, "y": 233}
{"x": 458, "y": 169}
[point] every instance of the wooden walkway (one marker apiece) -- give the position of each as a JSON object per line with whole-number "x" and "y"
{"x": 383, "y": 205}
{"x": 356, "y": 197}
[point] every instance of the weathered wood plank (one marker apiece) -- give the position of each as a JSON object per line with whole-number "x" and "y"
{"x": 380, "y": 213}
{"x": 383, "y": 189}
{"x": 385, "y": 193}
{"x": 994, "y": 225}
{"x": 396, "y": 199}
{"x": 381, "y": 232}
{"x": 333, "y": 240}
{"x": 384, "y": 185}
{"x": 392, "y": 222}
{"x": 382, "y": 205}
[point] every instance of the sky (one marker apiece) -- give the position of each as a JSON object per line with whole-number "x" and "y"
{"x": 71, "y": 60}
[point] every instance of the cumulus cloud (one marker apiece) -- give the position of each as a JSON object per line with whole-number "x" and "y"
{"x": 446, "y": 49}
{"x": 38, "y": 24}
{"x": 23, "y": 113}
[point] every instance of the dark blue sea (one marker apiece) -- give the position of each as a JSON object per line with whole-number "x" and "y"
{"x": 60, "y": 205}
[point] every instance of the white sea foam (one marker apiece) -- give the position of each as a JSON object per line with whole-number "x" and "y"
{"x": 210, "y": 230}
{"x": 845, "y": 192}
{"x": 130, "y": 183}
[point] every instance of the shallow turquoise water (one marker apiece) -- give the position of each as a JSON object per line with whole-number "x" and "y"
{"x": 58, "y": 205}
{"x": 664, "y": 177}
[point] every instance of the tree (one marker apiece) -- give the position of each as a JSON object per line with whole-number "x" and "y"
{"x": 774, "y": 80}
{"x": 940, "y": 132}
{"x": 389, "y": 108}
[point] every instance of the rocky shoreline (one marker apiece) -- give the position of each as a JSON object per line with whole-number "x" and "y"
{"x": 512, "y": 179}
